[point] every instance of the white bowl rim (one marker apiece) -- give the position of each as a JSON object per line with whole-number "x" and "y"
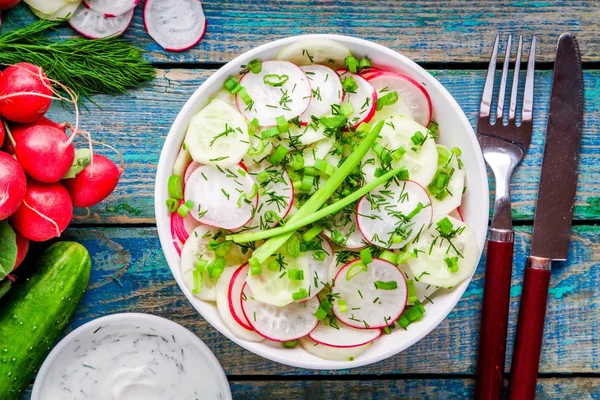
{"x": 164, "y": 171}
{"x": 130, "y": 317}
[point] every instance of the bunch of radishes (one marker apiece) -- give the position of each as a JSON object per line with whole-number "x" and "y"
{"x": 41, "y": 179}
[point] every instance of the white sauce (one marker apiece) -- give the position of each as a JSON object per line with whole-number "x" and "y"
{"x": 121, "y": 361}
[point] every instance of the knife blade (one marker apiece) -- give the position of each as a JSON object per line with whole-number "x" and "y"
{"x": 558, "y": 181}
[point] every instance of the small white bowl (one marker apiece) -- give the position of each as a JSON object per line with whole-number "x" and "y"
{"x": 455, "y": 131}
{"x": 128, "y": 322}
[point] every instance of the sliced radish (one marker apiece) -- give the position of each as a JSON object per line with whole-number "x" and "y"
{"x": 111, "y": 8}
{"x": 190, "y": 168}
{"x": 368, "y": 306}
{"x": 289, "y": 98}
{"x": 178, "y": 246}
{"x": 332, "y": 353}
{"x": 457, "y": 214}
{"x": 383, "y": 214}
{"x": 228, "y": 318}
{"x": 371, "y": 72}
{"x": 344, "y": 222}
{"x": 326, "y": 90}
{"x": 280, "y": 323}
{"x": 343, "y": 335}
{"x": 218, "y": 135}
{"x": 318, "y": 271}
{"x": 410, "y": 91}
{"x": 381, "y": 83}
{"x": 220, "y": 196}
{"x": 363, "y": 99}
{"x": 234, "y": 294}
{"x": 315, "y": 51}
{"x": 95, "y": 26}
{"x": 430, "y": 265}
{"x": 276, "y": 196}
{"x": 176, "y": 25}
{"x": 183, "y": 227}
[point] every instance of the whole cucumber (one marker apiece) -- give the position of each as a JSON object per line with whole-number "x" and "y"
{"x": 34, "y": 313}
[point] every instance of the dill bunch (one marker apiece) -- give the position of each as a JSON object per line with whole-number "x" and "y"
{"x": 89, "y": 67}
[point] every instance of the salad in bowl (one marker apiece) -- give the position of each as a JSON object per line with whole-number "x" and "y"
{"x": 310, "y": 201}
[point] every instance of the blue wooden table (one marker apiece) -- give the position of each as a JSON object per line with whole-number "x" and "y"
{"x": 452, "y": 40}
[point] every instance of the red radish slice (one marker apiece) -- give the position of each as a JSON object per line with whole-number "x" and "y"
{"x": 289, "y": 97}
{"x": 457, "y": 214}
{"x": 95, "y": 26}
{"x": 234, "y": 295}
{"x": 330, "y": 352}
{"x": 111, "y": 8}
{"x": 368, "y": 306}
{"x": 276, "y": 196}
{"x": 178, "y": 246}
{"x": 177, "y": 228}
{"x": 412, "y": 92}
{"x": 223, "y": 306}
{"x": 343, "y": 335}
{"x": 363, "y": 99}
{"x": 318, "y": 271}
{"x": 176, "y": 25}
{"x": 326, "y": 90}
{"x": 381, "y": 84}
{"x": 384, "y": 214}
{"x": 371, "y": 72}
{"x": 215, "y": 193}
{"x": 190, "y": 168}
{"x": 280, "y": 324}
{"x": 344, "y": 222}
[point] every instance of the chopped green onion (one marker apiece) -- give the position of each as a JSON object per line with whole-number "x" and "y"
{"x": 223, "y": 249}
{"x": 254, "y": 263}
{"x": 452, "y": 263}
{"x": 352, "y": 63}
{"x": 269, "y": 133}
{"x": 273, "y": 265}
{"x": 445, "y": 226}
{"x": 443, "y": 154}
{"x": 398, "y": 153}
{"x": 282, "y": 124}
{"x": 334, "y": 122}
{"x": 389, "y": 256}
{"x": 278, "y": 155}
{"x": 256, "y": 270}
{"x": 241, "y": 171}
{"x": 411, "y": 314}
{"x": 312, "y": 233}
{"x": 365, "y": 63}
{"x": 172, "y": 204}
{"x": 404, "y": 256}
{"x": 324, "y": 167}
{"x": 245, "y": 96}
{"x": 300, "y": 294}
{"x": 349, "y": 84}
{"x": 290, "y": 344}
{"x": 414, "y": 212}
{"x": 201, "y": 265}
{"x": 355, "y": 269}
{"x": 386, "y": 330}
{"x": 198, "y": 281}
{"x": 297, "y": 162}
{"x": 263, "y": 176}
{"x": 185, "y": 208}
{"x": 382, "y": 153}
{"x": 434, "y": 128}
{"x": 319, "y": 255}
{"x": 365, "y": 256}
{"x": 255, "y": 151}
{"x": 387, "y": 100}
{"x": 255, "y": 66}
{"x": 397, "y": 239}
{"x": 389, "y": 285}
{"x": 176, "y": 187}
{"x": 347, "y": 109}
{"x": 253, "y": 127}
{"x": 363, "y": 128}
{"x": 293, "y": 246}
{"x": 326, "y": 305}
{"x": 307, "y": 182}
{"x": 418, "y": 139}
{"x": 232, "y": 85}
{"x": 457, "y": 151}
{"x": 338, "y": 238}
{"x": 295, "y": 274}
{"x": 275, "y": 80}
{"x": 343, "y": 305}
{"x": 216, "y": 267}
{"x": 320, "y": 314}
{"x": 412, "y": 294}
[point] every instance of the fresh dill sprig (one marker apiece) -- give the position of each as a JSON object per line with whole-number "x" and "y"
{"x": 89, "y": 67}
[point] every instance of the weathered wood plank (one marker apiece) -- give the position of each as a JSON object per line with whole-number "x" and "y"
{"x": 138, "y": 122}
{"x": 130, "y": 274}
{"x": 427, "y": 31}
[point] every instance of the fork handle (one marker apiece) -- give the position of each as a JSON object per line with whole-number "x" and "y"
{"x": 494, "y": 315}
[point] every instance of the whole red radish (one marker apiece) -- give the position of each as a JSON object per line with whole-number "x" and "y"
{"x": 94, "y": 183}
{"x": 45, "y": 213}
{"x": 6, "y": 4}
{"x": 13, "y": 185}
{"x": 17, "y": 129}
{"x": 24, "y": 78}
{"x": 22, "y": 249}
{"x": 45, "y": 153}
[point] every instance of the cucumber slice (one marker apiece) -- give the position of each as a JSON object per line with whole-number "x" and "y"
{"x": 432, "y": 250}
{"x": 383, "y": 215}
{"x": 332, "y": 353}
{"x": 369, "y": 305}
{"x": 315, "y": 51}
{"x": 259, "y": 150}
{"x": 318, "y": 149}
{"x": 220, "y": 196}
{"x": 456, "y": 185}
{"x": 363, "y": 99}
{"x": 183, "y": 160}
{"x": 218, "y": 135}
{"x": 308, "y": 134}
{"x": 422, "y": 290}
{"x": 225, "y": 96}
{"x": 326, "y": 90}
{"x": 343, "y": 336}
{"x": 280, "y": 324}
{"x": 222, "y": 290}
{"x": 288, "y": 98}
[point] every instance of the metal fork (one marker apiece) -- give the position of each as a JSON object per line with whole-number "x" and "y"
{"x": 503, "y": 146}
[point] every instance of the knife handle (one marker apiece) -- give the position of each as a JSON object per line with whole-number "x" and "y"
{"x": 530, "y": 329}
{"x": 494, "y": 315}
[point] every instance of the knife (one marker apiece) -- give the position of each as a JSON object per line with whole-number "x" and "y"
{"x": 553, "y": 214}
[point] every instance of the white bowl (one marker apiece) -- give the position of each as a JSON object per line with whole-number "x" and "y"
{"x": 126, "y": 322}
{"x": 455, "y": 131}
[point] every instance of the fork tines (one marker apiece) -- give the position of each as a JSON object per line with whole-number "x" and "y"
{"x": 486, "y": 99}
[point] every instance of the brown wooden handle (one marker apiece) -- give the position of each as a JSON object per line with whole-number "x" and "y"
{"x": 530, "y": 329}
{"x": 494, "y": 320}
